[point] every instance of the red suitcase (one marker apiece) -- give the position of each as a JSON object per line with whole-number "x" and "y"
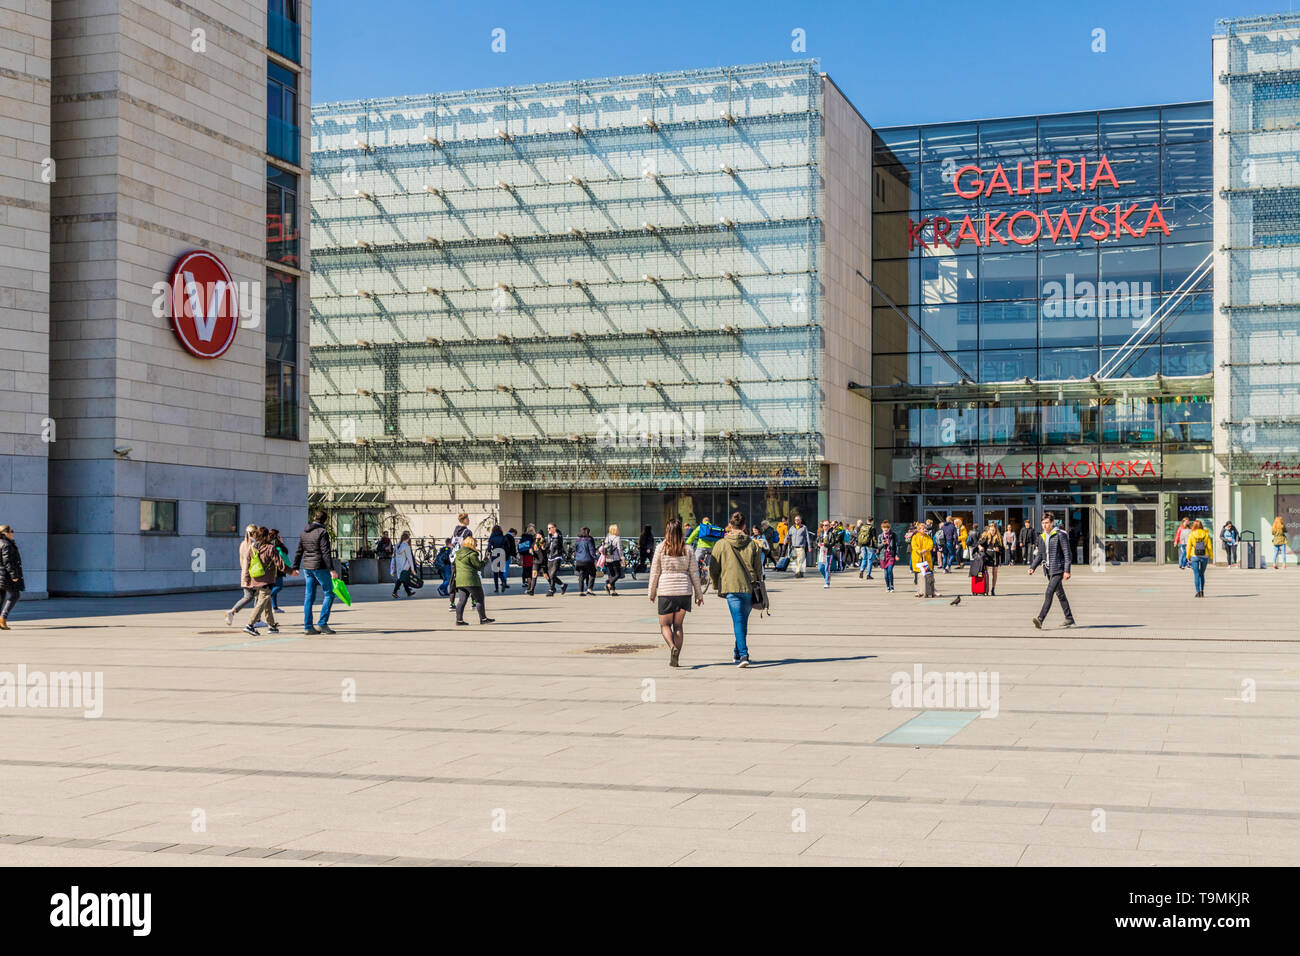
{"x": 977, "y": 585}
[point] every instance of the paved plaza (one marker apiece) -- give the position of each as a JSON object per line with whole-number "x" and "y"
{"x": 1160, "y": 731}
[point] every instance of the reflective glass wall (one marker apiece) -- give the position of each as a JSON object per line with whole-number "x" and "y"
{"x": 600, "y": 284}
{"x": 1028, "y": 247}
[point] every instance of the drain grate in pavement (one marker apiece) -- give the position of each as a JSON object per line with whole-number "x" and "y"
{"x": 620, "y": 648}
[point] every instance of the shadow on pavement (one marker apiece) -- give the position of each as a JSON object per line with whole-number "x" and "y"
{"x": 788, "y": 660}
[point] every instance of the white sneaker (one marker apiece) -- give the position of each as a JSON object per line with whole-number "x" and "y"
{"x": 230, "y": 619}
{"x": 826, "y": 584}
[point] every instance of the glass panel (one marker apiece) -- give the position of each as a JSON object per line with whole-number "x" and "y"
{"x": 1187, "y": 123}
{"x": 1136, "y": 170}
{"x": 1009, "y": 324}
{"x": 1130, "y": 128}
{"x": 957, "y": 142}
{"x": 1188, "y": 167}
{"x": 1008, "y": 365}
{"x": 1073, "y": 133}
{"x": 1008, "y": 139}
{"x": 1009, "y": 276}
{"x": 952, "y": 326}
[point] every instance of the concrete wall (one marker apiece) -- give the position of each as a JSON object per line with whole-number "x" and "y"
{"x": 160, "y": 134}
{"x": 25, "y": 278}
{"x": 846, "y": 212}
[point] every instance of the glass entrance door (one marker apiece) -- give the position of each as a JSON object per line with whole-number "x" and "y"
{"x": 1115, "y": 532}
{"x": 1129, "y": 533}
{"x": 1142, "y": 522}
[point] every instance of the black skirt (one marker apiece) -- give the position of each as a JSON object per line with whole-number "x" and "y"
{"x": 672, "y": 603}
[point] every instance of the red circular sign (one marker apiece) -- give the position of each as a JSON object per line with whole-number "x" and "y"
{"x": 205, "y": 304}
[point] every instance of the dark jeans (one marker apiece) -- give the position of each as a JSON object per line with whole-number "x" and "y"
{"x": 463, "y": 595}
{"x": 613, "y": 571}
{"x": 276, "y": 588}
{"x": 553, "y": 573}
{"x": 1232, "y": 553}
{"x": 11, "y": 598}
{"x": 1055, "y": 587}
{"x": 586, "y": 575}
{"x": 403, "y": 581}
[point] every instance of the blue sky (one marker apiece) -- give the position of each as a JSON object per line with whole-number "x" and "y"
{"x": 899, "y": 62}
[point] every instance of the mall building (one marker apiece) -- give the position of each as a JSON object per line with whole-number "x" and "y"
{"x": 152, "y": 287}
{"x": 621, "y": 299}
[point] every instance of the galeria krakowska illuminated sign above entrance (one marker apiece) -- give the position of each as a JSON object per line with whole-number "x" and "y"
{"x": 1027, "y": 226}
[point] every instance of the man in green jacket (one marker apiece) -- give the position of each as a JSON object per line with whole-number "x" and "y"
{"x": 737, "y": 565}
{"x": 469, "y": 583}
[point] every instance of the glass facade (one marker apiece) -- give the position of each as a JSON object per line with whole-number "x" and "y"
{"x": 1015, "y": 260}
{"x": 1257, "y": 109}
{"x": 605, "y": 284}
{"x": 1058, "y": 306}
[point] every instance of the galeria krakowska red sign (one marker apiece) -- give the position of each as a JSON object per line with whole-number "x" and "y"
{"x": 1027, "y": 226}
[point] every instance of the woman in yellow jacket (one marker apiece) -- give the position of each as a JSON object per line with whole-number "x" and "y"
{"x": 1200, "y": 552}
{"x": 922, "y": 548}
{"x": 1279, "y": 542}
{"x": 963, "y": 533}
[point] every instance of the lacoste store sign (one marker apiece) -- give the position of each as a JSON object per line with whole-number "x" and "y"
{"x": 1045, "y": 177}
{"x": 204, "y": 304}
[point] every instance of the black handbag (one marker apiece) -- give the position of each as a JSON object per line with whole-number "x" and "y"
{"x": 758, "y": 597}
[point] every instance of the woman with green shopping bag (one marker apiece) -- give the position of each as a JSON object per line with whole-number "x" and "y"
{"x": 469, "y": 582}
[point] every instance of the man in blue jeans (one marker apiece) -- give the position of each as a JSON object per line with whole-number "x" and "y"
{"x": 736, "y": 566}
{"x": 949, "y": 531}
{"x": 315, "y": 557}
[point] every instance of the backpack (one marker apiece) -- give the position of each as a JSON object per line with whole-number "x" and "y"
{"x": 1198, "y": 549}
{"x": 255, "y": 567}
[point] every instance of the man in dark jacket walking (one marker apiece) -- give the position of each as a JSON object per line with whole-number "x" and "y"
{"x": 315, "y": 557}
{"x": 11, "y": 574}
{"x": 1027, "y": 539}
{"x": 949, "y": 532}
{"x": 1054, "y": 554}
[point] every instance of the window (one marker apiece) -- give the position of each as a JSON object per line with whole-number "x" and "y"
{"x": 281, "y": 355}
{"x": 281, "y": 113}
{"x": 222, "y": 518}
{"x": 283, "y": 34}
{"x": 157, "y": 517}
{"x": 281, "y": 216}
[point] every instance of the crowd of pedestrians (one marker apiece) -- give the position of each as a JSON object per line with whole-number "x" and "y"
{"x": 684, "y": 565}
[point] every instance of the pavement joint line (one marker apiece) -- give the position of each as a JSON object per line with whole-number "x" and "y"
{"x": 728, "y": 703}
{"x": 592, "y": 735}
{"x": 713, "y": 791}
{"x": 259, "y": 853}
{"x": 725, "y": 665}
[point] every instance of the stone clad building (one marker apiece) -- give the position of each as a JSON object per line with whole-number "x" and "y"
{"x": 147, "y": 130}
